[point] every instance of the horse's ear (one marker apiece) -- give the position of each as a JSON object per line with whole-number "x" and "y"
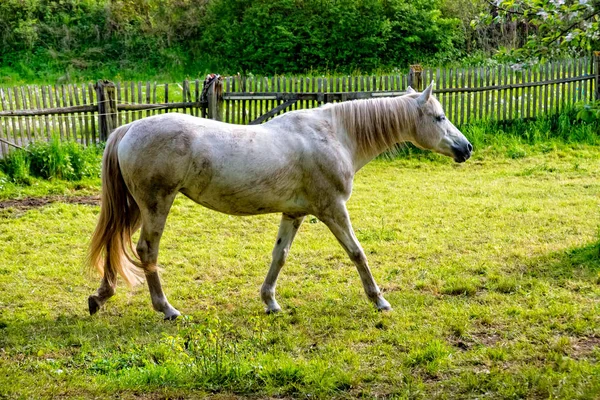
{"x": 424, "y": 97}
{"x": 410, "y": 90}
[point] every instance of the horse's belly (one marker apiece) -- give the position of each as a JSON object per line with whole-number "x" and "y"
{"x": 238, "y": 209}
{"x": 248, "y": 182}
{"x": 248, "y": 203}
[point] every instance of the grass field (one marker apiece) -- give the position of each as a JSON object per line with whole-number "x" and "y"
{"x": 492, "y": 268}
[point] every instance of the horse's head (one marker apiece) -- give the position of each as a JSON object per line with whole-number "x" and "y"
{"x": 434, "y": 131}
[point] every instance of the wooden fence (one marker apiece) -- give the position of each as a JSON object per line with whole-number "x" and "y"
{"x": 88, "y": 112}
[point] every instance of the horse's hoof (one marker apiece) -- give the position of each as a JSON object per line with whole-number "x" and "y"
{"x": 382, "y": 304}
{"x": 172, "y": 315}
{"x": 274, "y": 310}
{"x": 93, "y": 305}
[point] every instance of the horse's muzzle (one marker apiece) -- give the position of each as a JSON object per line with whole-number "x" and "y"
{"x": 462, "y": 153}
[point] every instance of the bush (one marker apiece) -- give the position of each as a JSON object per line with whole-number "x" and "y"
{"x": 588, "y": 111}
{"x": 52, "y": 160}
{"x": 293, "y": 36}
{"x": 82, "y": 38}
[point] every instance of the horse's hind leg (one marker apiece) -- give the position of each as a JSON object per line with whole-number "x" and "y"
{"x": 338, "y": 222}
{"x": 153, "y": 223}
{"x": 109, "y": 280}
{"x": 104, "y": 292}
{"x": 287, "y": 231}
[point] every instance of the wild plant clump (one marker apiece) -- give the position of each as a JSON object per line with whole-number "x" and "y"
{"x": 513, "y": 137}
{"x": 16, "y": 166}
{"x": 52, "y": 160}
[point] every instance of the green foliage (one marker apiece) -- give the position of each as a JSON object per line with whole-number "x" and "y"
{"x": 63, "y": 160}
{"x": 588, "y": 112}
{"x": 41, "y": 39}
{"x": 558, "y": 27}
{"x": 126, "y": 38}
{"x": 342, "y": 35}
{"x": 52, "y": 160}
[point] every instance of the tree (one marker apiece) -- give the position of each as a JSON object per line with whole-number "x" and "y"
{"x": 555, "y": 27}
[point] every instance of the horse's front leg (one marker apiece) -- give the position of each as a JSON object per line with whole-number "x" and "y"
{"x": 338, "y": 221}
{"x": 287, "y": 231}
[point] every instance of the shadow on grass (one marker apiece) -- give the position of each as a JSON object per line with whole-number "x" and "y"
{"x": 41, "y": 334}
{"x": 581, "y": 262}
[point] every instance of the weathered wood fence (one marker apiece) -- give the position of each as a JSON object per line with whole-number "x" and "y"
{"x": 87, "y": 113}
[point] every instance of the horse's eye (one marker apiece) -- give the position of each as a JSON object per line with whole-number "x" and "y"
{"x": 440, "y": 118}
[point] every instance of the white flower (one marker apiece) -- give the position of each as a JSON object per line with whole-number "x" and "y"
{"x": 543, "y": 14}
{"x": 570, "y": 36}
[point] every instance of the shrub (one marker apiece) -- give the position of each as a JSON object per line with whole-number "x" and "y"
{"x": 52, "y": 160}
{"x": 291, "y": 36}
{"x": 74, "y": 38}
{"x": 588, "y": 111}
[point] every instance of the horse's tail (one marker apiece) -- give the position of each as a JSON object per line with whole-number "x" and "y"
{"x": 111, "y": 249}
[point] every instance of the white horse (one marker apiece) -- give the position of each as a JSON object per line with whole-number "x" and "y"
{"x": 300, "y": 163}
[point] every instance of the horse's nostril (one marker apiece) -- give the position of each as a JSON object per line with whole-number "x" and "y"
{"x": 470, "y": 146}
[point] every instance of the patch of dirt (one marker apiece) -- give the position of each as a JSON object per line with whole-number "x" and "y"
{"x": 486, "y": 338}
{"x": 463, "y": 345}
{"x": 585, "y": 346}
{"x": 35, "y": 202}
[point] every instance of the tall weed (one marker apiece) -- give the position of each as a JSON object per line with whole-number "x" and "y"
{"x": 16, "y": 166}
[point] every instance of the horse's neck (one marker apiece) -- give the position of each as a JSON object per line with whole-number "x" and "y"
{"x": 371, "y": 127}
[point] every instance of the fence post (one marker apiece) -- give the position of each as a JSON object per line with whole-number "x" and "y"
{"x": 415, "y": 79}
{"x": 107, "y": 108}
{"x": 597, "y": 72}
{"x": 215, "y": 99}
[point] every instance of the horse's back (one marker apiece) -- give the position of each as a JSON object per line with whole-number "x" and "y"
{"x": 230, "y": 168}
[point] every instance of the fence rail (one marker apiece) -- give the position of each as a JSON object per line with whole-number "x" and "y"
{"x": 88, "y": 112}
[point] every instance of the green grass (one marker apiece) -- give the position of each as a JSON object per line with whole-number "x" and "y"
{"x": 491, "y": 266}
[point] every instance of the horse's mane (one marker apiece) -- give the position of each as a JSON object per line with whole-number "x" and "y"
{"x": 376, "y": 124}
